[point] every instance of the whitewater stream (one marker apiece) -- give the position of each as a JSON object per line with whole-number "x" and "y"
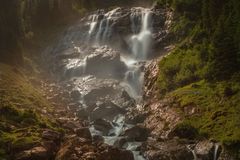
{"x": 104, "y": 55}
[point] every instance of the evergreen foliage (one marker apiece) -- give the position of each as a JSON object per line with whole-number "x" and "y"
{"x": 211, "y": 37}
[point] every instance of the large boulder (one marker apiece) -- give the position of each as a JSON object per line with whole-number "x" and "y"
{"x": 120, "y": 142}
{"x": 75, "y": 94}
{"x": 103, "y": 126}
{"x": 84, "y": 132}
{"x": 105, "y": 62}
{"x": 83, "y": 114}
{"x": 183, "y": 130}
{"x": 226, "y": 155}
{"x": 107, "y": 110}
{"x": 205, "y": 150}
{"x": 51, "y": 135}
{"x": 116, "y": 154}
{"x": 65, "y": 151}
{"x": 136, "y": 133}
{"x": 36, "y": 153}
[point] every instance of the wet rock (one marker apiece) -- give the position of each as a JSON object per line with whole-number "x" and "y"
{"x": 105, "y": 62}
{"x": 126, "y": 96}
{"x": 103, "y": 126}
{"x": 151, "y": 75}
{"x": 183, "y": 131}
{"x": 205, "y": 150}
{"x": 94, "y": 94}
{"x": 133, "y": 146}
{"x": 135, "y": 116}
{"x": 73, "y": 157}
{"x": 89, "y": 156}
{"x": 162, "y": 118}
{"x": 65, "y": 151}
{"x": 75, "y": 95}
{"x": 67, "y": 55}
{"x": 106, "y": 110}
{"x": 51, "y": 146}
{"x": 72, "y": 125}
{"x": 120, "y": 142}
{"x": 36, "y": 153}
{"x": 96, "y": 91}
{"x": 171, "y": 149}
{"x": 74, "y": 107}
{"x": 226, "y": 155}
{"x": 83, "y": 114}
{"x": 51, "y": 135}
{"x": 97, "y": 139}
{"x": 83, "y": 132}
{"x": 137, "y": 133}
{"x": 116, "y": 154}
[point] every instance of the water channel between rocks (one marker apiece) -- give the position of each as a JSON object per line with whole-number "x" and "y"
{"x": 104, "y": 56}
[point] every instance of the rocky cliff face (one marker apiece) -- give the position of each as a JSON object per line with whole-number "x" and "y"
{"x": 170, "y": 138}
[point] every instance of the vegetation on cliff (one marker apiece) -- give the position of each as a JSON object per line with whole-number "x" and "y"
{"x": 203, "y": 70}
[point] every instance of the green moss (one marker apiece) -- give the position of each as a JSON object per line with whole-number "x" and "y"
{"x": 16, "y": 90}
{"x": 20, "y": 138}
{"x": 21, "y": 123}
{"x": 217, "y": 115}
{"x": 183, "y": 66}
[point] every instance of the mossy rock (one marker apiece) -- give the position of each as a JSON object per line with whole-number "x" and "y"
{"x": 185, "y": 131}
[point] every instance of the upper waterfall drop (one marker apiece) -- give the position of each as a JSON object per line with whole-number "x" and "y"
{"x": 100, "y": 26}
{"x": 113, "y": 28}
{"x": 140, "y": 43}
{"x": 93, "y": 24}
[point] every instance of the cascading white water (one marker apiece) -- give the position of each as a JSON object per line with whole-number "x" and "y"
{"x": 104, "y": 28}
{"x": 193, "y": 152}
{"x": 134, "y": 77}
{"x": 117, "y": 129}
{"x": 140, "y": 43}
{"x": 93, "y": 24}
{"x": 216, "y": 151}
{"x": 100, "y": 29}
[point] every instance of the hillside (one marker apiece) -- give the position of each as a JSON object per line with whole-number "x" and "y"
{"x": 119, "y": 79}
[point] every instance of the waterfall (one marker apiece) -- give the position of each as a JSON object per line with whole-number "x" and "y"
{"x": 104, "y": 28}
{"x": 193, "y": 152}
{"x": 135, "y": 18}
{"x": 106, "y": 31}
{"x": 216, "y": 151}
{"x": 140, "y": 43}
{"x": 99, "y": 33}
{"x": 93, "y": 24}
{"x": 194, "y": 155}
{"x": 134, "y": 77}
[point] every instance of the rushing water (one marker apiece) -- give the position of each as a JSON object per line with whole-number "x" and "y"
{"x": 141, "y": 41}
{"x": 215, "y": 157}
{"x": 99, "y": 61}
{"x": 100, "y": 29}
{"x": 100, "y": 25}
{"x": 193, "y": 152}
